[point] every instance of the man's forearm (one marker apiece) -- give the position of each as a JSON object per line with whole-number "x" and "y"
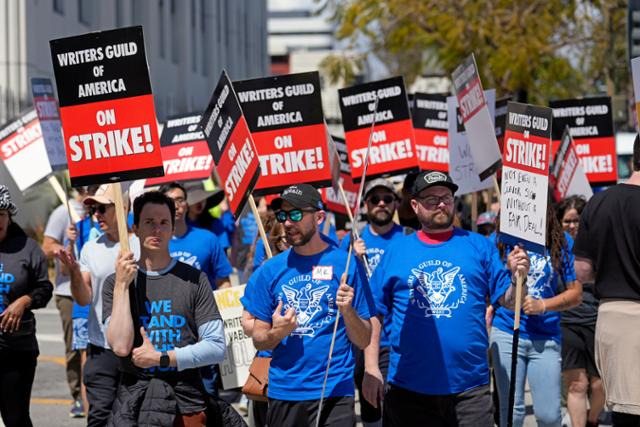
{"x": 358, "y": 329}
{"x": 50, "y": 246}
{"x": 80, "y": 290}
{"x": 372, "y": 352}
{"x": 266, "y": 340}
{"x": 247, "y": 322}
{"x": 120, "y": 331}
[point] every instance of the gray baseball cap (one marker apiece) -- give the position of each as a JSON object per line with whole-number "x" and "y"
{"x": 379, "y": 183}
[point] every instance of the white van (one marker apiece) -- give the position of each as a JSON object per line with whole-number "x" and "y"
{"x": 624, "y": 151}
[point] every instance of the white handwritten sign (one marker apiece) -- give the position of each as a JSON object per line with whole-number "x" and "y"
{"x": 525, "y": 176}
{"x": 240, "y": 350}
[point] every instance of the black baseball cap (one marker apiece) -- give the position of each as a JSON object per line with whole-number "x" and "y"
{"x": 301, "y": 196}
{"x": 427, "y": 179}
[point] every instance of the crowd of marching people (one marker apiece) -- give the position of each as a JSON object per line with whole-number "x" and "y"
{"x": 417, "y": 311}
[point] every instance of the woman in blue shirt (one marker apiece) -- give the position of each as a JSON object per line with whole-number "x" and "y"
{"x": 539, "y": 357}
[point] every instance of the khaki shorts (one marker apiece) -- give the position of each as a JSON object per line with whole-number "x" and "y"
{"x": 617, "y": 351}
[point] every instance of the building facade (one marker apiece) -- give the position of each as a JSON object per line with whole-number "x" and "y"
{"x": 188, "y": 43}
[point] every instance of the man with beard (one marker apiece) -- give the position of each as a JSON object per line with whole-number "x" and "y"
{"x": 381, "y": 202}
{"x": 295, "y": 298}
{"x": 434, "y": 285}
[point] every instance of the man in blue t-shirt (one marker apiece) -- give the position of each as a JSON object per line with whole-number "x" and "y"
{"x": 296, "y": 297}
{"x": 195, "y": 246}
{"x": 381, "y": 202}
{"x": 434, "y": 285}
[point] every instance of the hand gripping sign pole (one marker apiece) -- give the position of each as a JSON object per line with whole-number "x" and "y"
{"x": 514, "y": 347}
{"x": 346, "y": 270}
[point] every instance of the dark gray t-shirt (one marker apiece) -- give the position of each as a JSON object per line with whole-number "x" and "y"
{"x": 171, "y": 305}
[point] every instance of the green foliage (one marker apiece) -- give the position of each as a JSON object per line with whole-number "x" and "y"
{"x": 546, "y": 48}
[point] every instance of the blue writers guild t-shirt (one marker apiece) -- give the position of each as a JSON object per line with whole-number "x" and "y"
{"x": 200, "y": 248}
{"x": 542, "y": 282}
{"x": 171, "y": 305}
{"x": 309, "y": 284}
{"x": 435, "y": 295}
{"x": 376, "y": 246}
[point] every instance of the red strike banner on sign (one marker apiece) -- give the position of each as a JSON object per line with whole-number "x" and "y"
{"x": 185, "y": 162}
{"x": 185, "y": 152}
{"x": 393, "y": 143}
{"x": 105, "y": 136}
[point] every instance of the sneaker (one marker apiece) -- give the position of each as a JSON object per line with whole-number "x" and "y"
{"x": 77, "y": 409}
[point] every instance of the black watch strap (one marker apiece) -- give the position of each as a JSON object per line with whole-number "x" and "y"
{"x": 164, "y": 360}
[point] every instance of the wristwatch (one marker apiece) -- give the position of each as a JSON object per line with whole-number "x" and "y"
{"x": 165, "y": 362}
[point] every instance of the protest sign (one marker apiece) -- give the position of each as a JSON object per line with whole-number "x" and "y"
{"x": 106, "y": 107}
{"x": 462, "y": 167}
{"x": 393, "y": 148}
{"x": 226, "y": 132}
{"x": 331, "y": 195}
{"x": 185, "y": 153}
{"x": 525, "y": 176}
{"x": 501, "y": 119}
{"x": 430, "y": 126}
{"x": 240, "y": 350}
{"x": 285, "y": 117}
{"x": 23, "y": 151}
{"x": 49, "y": 116}
{"x": 590, "y": 122}
{"x": 567, "y": 178}
{"x": 476, "y": 118}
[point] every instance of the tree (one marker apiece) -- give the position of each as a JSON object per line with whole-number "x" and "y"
{"x": 539, "y": 49}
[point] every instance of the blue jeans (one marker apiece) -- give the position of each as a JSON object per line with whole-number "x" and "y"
{"x": 540, "y": 362}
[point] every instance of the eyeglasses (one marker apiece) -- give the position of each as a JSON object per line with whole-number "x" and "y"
{"x": 387, "y": 199}
{"x": 295, "y": 215}
{"x": 434, "y": 201}
{"x": 179, "y": 200}
{"x": 101, "y": 209}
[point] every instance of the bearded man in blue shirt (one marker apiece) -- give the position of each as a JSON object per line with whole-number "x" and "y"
{"x": 434, "y": 284}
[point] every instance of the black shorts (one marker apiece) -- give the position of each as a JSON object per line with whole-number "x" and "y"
{"x": 405, "y": 408}
{"x": 368, "y": 413}
{"x": 578, "y": 348}
{"x": 336, "y": 412}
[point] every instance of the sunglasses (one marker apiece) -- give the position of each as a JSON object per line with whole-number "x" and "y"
{"x": 387, "y": 199}
{"x": 101, "y": 209}
{"x": 295, "y": 215}
{"x": 434, "y": 201}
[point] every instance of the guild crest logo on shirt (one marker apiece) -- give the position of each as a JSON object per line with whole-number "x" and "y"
{"x": 434, "y": 177}
{"x": 187, "y": 258}
{"x": 307, "y": 302}
{"x": 536, "y": 287}
{"x": 438, "y": 288}
{"x": 373, "y": 257}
